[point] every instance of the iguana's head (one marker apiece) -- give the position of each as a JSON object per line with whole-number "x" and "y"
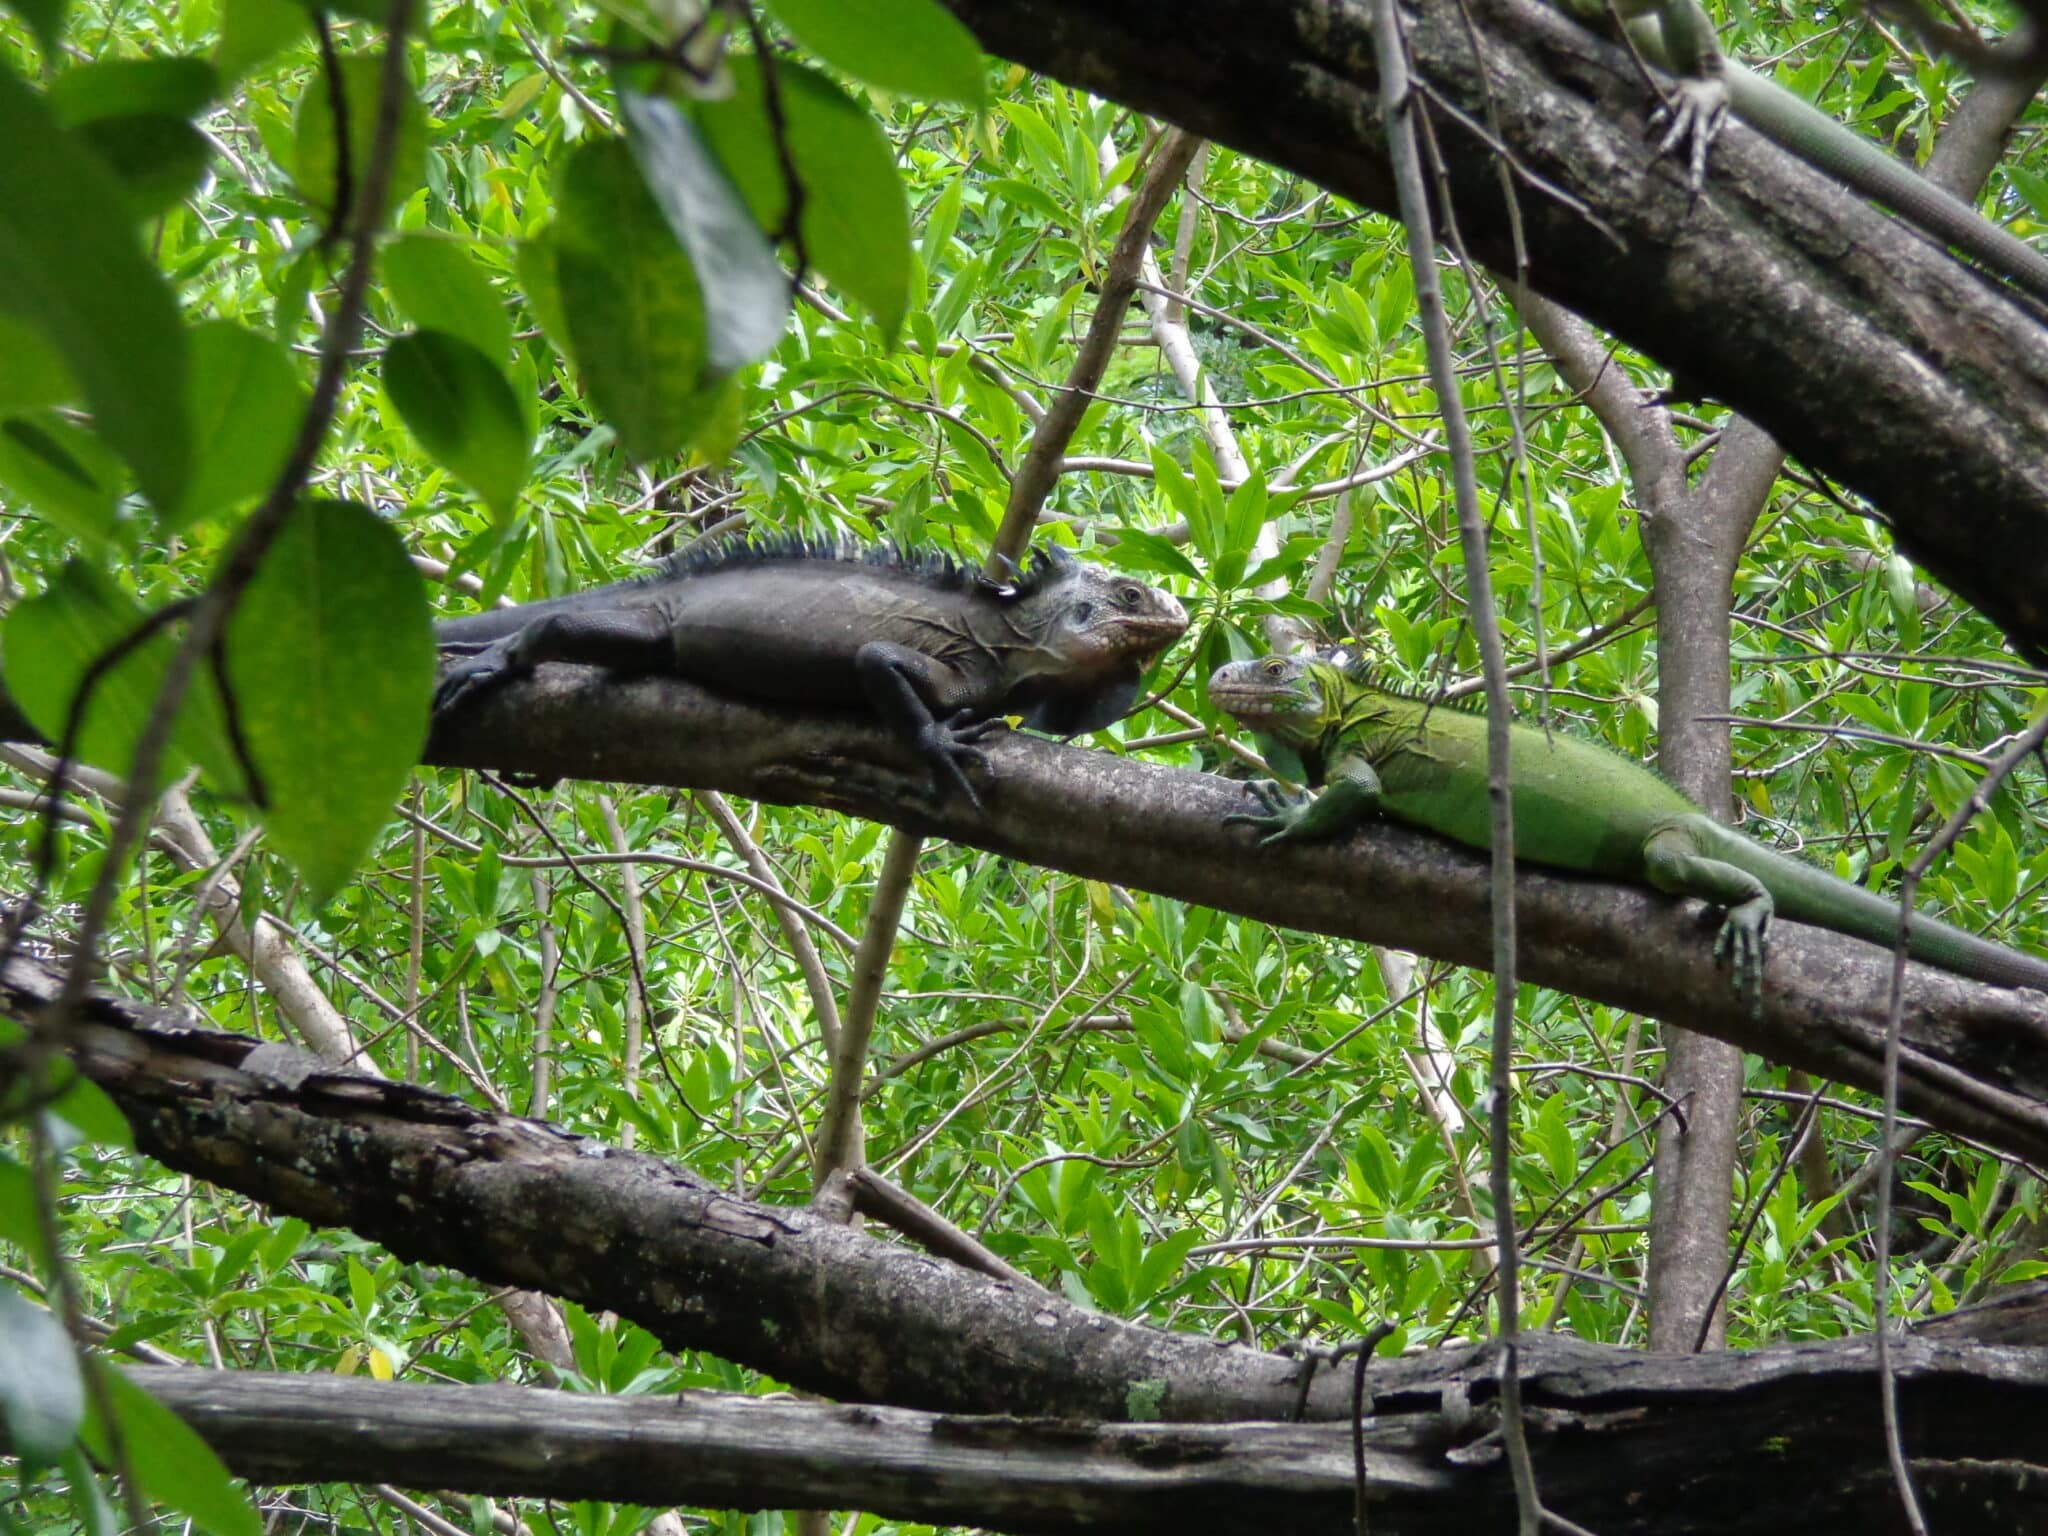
{"x": 1092, "y": 620}
{"x": 1294, "y": 698}
{"x": 1093, "y": 633}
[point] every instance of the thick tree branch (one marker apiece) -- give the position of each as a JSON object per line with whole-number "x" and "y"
{"x": 1976, "y": 1055}
{"x": 1629, "y": 1447}
{"x": 1861, "y": 347}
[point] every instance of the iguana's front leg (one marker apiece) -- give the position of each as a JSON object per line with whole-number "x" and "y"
{"x": 904, "y": 685}
{"x": 1350, "y": 794}
{"x": 1673, "y": 862}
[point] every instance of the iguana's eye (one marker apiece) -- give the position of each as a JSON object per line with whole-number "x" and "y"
{"x": 1274, "y": 668}
{"x": 1130, "y": 594}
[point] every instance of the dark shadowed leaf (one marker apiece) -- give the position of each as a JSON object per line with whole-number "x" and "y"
{"x": 48, "y": 642}
{"x": 62, "y": 471}
{"x": 331, "y": 658}
{"x": 746, "y": 295}
{"x": 441, "y": 287}
{"x": 314, "y": 137}
{"x": 911, "y": 47}
{"x": 42, "y": 1395}
{"x": 630, "y": 301}
{"x": 246, "y": 405}
{"x": 158, "y": 159}
{"x": 855, "y": 219}
{"x": 172, "y": 1463}
{"x": 45, "y": 19}
{"x": 456, "y": 401}
{"x": 71, "y": 267}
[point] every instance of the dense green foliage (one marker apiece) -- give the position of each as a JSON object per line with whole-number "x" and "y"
{"x": 1168, "y": 1112}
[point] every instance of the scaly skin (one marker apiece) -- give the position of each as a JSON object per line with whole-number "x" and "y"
{"x": 1677, "y": 35}
{"x": 1578, "y": 806}
{"x": 939, "y": 652}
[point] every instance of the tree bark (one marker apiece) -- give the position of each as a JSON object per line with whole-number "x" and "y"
{"x": 1976, "y": 1059}
{"x": 1861, "y": 347}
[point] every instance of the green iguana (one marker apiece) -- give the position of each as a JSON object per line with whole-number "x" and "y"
{"x": 1577, "y": 806}
{"x": 938, "y": 651}
{"x": 1677, "y": 35}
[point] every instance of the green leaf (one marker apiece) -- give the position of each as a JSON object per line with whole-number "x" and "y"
{"x": 441, "y": 287}
{"x": 159, "y": 87}
{"x": 70, "y": 266}
{"x": 911, "y": 47}
{"x": 62, "y": 471}
{"x": 630, "y": 302}
{"x": 745, "y": 294}
{"x": 252, "y": 30}
{"x": 42, "y": 1394}
{"x": 539, "y": 280}
{"x": 18, "y": 1223}
{"x": 854, "y": 217}
{"x": 32, "y": 374}
{"x": 85, "y": 1107}
{"x": 456, "y": 401}
{"x": 247, "y": 402}
{"x": 331, "y": 658}
{"x": 159, "y": 159}
{"x": 173, "y": 1465}
{"x": 315, "y": 144}
{"x": 47, "y": 643}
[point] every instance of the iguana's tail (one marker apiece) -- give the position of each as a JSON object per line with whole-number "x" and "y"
{"x": 1811, "y": 135}
{"x": 1809, "y": 895}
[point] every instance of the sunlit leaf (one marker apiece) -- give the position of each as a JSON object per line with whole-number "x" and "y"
{"x": 912, "y": 47}
{"x": 318, "y": 162}
{"x": 62, "y": 471}
{"x": 854, "y": 218}
{"x": 247, "y": 402}
{"x": 70, "y": 266}
{"x": 172, "y": 1463}
{"x": 456, "y": 401}
{"x": 441, "y": 287}
{"x": 333, "y": 719}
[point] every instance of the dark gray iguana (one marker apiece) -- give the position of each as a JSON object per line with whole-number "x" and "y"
{"x": 1677, "y": 35}
{"x": 938, "y": 651}
{"x": 1578, "y": 806}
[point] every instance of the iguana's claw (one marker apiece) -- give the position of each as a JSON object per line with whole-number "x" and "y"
{"x": 1693, "y": 117}
{"x": 1280, "y": 809}
{"x": 946, "y": 745}
{"x": 464, "y": 680}
{"x": 963, "y": 727}
{"x": 1740, "y": 946}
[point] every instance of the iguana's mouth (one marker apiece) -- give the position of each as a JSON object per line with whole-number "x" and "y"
{"x": 1253, "y": 706}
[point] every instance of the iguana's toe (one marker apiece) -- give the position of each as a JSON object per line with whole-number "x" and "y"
{"x": 1693, "y": 118}
{"x": 1740, "y": 946}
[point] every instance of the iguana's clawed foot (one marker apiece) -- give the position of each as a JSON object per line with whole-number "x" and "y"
{"x": 1740, "y": 946}
{"x": 948, "y": 745}
{"x": 1692, "y": 117}
{"x": 1281, "y": 811}
{"x": 470, "y": 675}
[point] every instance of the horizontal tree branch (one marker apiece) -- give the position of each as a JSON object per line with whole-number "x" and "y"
{"x": 1976, "y": 1056}
{"x": 1863, "y": 348}
{"x": 1776, "y": 1440}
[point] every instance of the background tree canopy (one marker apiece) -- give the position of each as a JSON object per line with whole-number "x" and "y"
{"x": 515, "y": 318}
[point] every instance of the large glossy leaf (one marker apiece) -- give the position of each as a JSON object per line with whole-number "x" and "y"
{"x": 42, "y": 1396}
{"x": 62, "y": 471}
{"x": 854, "y": 217}
{"x": 32, "y": 373}
{"x": 165, "y": 86}
{"x": 456, "y": 401}
{"x": 441, "y": 287}
{"x": 247, "y": 402}
{"x": 48, "y": 641}
{"x": 71, "y": 267}
{"x": 172, "y": 1463}
{"x": 746, "y": 294}
{"x": 159, "y": 159}
{"x": 331, "y": 658}
{"x": 630, "y": 302}
{"x": 317, "y": 161}
{"x": 912, "y": 47}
